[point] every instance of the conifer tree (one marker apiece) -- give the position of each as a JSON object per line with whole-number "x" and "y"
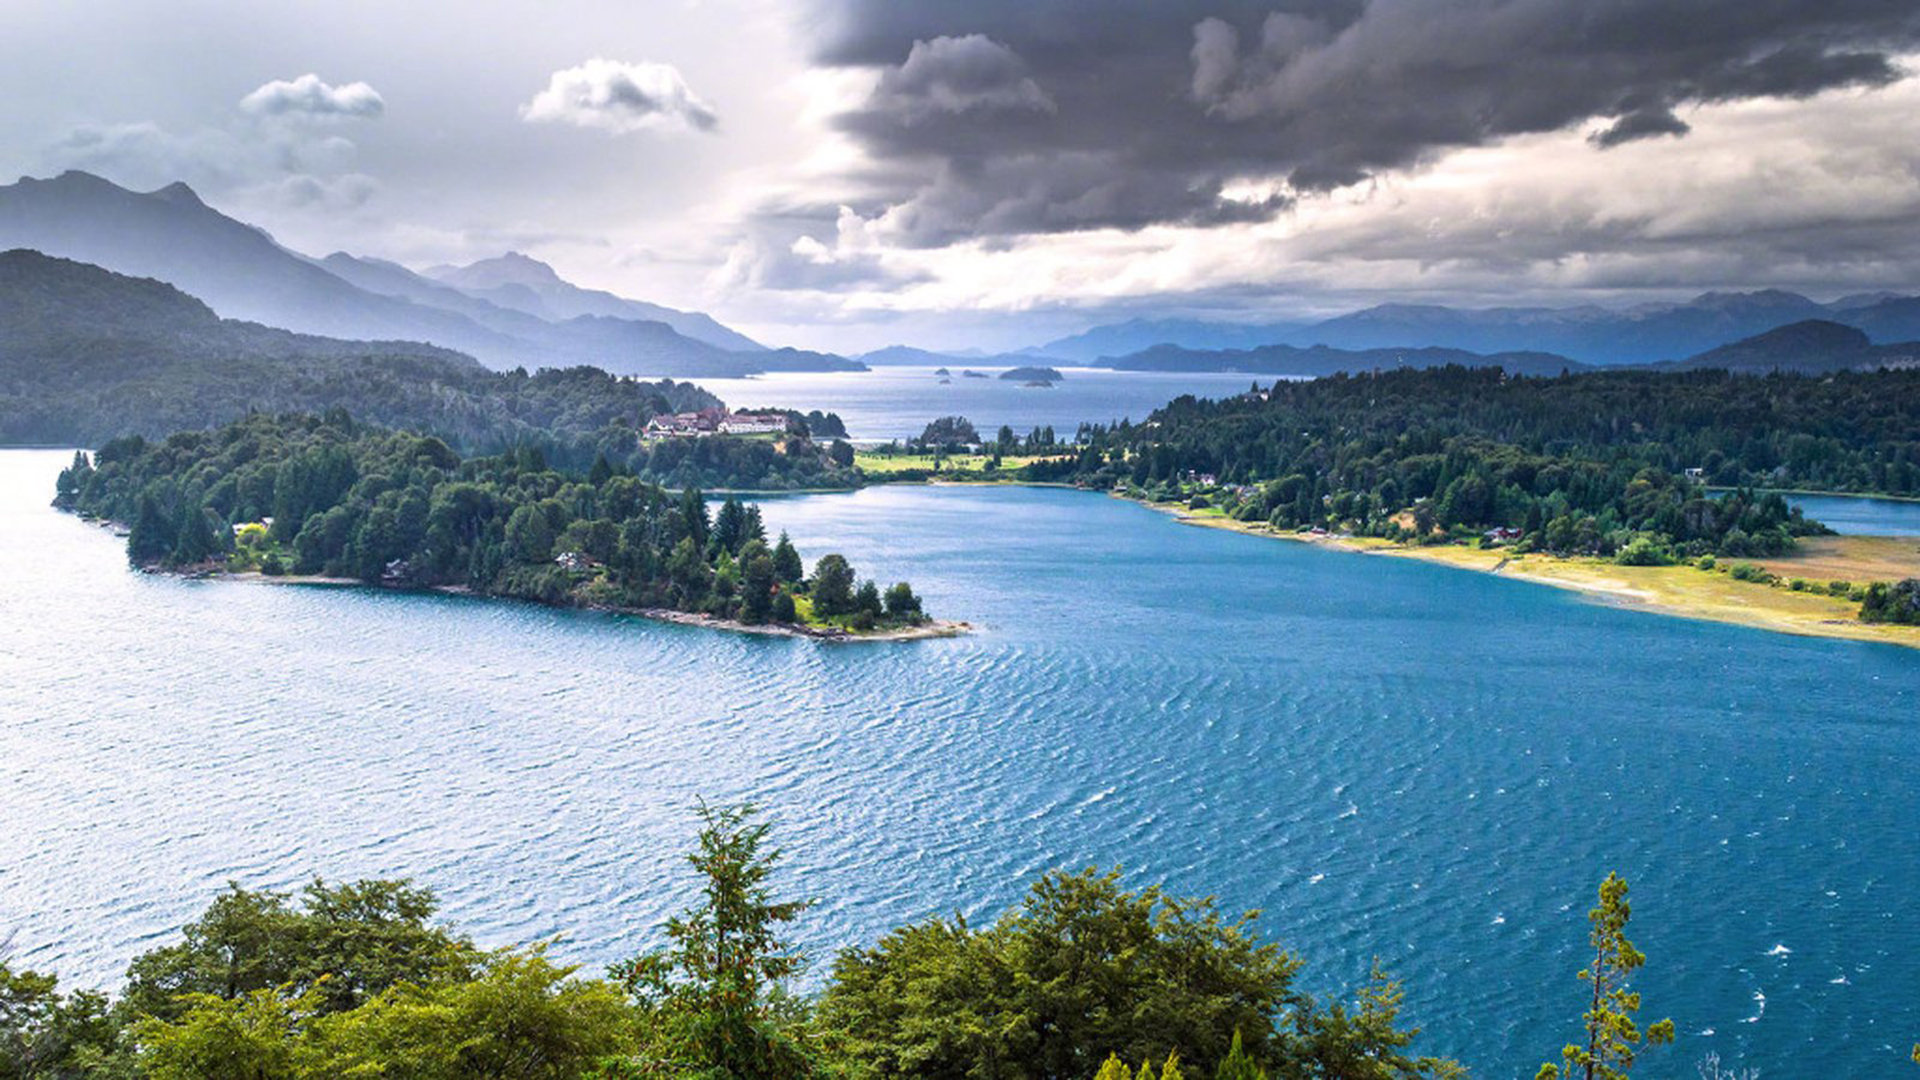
{"x": 1613, "y": 1038}
{"x": 786, "y": 561}
{"x": 1239, "y": 1065}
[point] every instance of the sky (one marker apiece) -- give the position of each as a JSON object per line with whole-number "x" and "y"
{"x": 846, "y": 174}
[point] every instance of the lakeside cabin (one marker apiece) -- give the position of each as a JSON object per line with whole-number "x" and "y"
{"x": 694, "y": 425}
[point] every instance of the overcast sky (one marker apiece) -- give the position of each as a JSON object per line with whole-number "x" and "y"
{"x": 850, "y": 173}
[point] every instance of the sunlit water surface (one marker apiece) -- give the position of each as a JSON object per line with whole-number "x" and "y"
{"x": 1391, "y": 759}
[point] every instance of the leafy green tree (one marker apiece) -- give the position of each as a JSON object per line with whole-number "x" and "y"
{"x": 251, "y": 1037}
{"x": 520, "y": 1016}
{"x": 1081, "y": 969}
{"x": 866, "y": 600}
{"x": 710, "y": 998}
{"x": 832, "y": 586}
{"x": 601, "y": 472}
{"x": 45, "y": 1034}
{"x": 1363, "y": 1043}
{"x": 347, "y": 942}
{"x": 1613, "y": 1039}
{"x": 902, "y": 604}
{"x": 529, "y": 535}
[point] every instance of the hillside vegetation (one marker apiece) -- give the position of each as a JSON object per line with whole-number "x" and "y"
{"x": 313, "y": 496}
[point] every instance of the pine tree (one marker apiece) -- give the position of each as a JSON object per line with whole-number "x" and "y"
{"x": 1113, "y": 1069}
{"x": 1238, "y": 1065}
{"x": 193, "y": 539}
{"x": 153, "y": 534}
{"x": 786, "y": 561}
{"x": 1613, "y": 1039}
{"x": 711, "y": 991}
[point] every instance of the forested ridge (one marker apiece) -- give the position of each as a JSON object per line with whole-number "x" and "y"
{"x": 327, "y": 495}
{"x": 1586, "y": 463}
{"x": 1083, "y": 979}
{"x": 87, "y": 355}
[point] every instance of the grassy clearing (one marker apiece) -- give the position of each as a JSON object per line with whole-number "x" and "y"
{"x": 1858, "y": 559}
{"x": 881, "y": 465}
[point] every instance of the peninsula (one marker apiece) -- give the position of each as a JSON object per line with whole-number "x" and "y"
{"x": 327, "y": 501}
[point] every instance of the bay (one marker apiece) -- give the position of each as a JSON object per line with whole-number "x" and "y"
{"x": 1391, "y": 759}
{"x": 897, "y": 402}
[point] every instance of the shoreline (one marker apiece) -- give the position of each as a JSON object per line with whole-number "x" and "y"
{"x": 929, "y": 630}
{"x": 1681, "y": 591}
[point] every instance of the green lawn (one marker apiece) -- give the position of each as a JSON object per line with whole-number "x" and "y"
{"x": 881, "y": 464}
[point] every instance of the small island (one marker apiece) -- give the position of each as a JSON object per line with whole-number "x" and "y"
{"x": 315, "y": 500}
{"x": 1032, "y": 376}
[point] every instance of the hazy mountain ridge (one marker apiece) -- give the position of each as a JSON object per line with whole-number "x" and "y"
{"x": 1812, "y": 346}
{"x": 236, "y": 269}
{"x": 88, "y": 355}
{"x": 526, "y": 284}
{"x": 241, "y": 272}
{"x": 1644, "y": 334}
{"x": 1319, "y": 360}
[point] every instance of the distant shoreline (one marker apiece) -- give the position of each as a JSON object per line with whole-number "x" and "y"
{"x": 933, "y": 628}
{"x": 1683, "y": 591}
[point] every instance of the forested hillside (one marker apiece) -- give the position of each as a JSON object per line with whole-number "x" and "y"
{"x": 87, "y": 355}
{"x": 1588, "y": 462}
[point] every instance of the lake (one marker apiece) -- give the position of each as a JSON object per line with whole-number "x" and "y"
{"x": 896, "y": 402}
{"x": 1869, "y": 517}
{"x": 1391, "y": 758}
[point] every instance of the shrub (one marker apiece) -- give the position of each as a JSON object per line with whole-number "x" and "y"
{"x": 1895, "y": 603}
{"x": 1746, "y": 571}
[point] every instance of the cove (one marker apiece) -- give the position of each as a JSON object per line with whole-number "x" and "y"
{"x": 1392, "y": 759}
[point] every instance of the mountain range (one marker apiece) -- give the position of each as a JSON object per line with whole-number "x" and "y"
{"x": 1810, "y": 346}
{"x": 509, "y": 311}
{"x": 88, "y": 355}
{"x": 1589, "y": 334}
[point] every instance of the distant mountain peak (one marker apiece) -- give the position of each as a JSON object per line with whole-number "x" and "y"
{"x": 77, "y": 178}
{"x": 512, "y": 268}
{"x": 179, "y": 194}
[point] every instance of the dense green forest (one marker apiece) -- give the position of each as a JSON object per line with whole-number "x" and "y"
{"x": 87, "y": 355}
{"x": 1083, "y": 977}
{"x": 326, "y": 495}
{"x": 1589, "y": 463}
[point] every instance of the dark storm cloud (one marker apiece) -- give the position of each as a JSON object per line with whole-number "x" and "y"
{"x": 1026, "y": 117}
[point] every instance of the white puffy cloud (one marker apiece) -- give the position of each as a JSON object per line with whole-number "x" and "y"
{"x": 310, "y": 96}
{"x": 621, "y": 97}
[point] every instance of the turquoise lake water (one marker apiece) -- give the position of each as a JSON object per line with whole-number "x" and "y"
{"x": 1391, "y": 759}
{"x": 1872, "y": 517}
